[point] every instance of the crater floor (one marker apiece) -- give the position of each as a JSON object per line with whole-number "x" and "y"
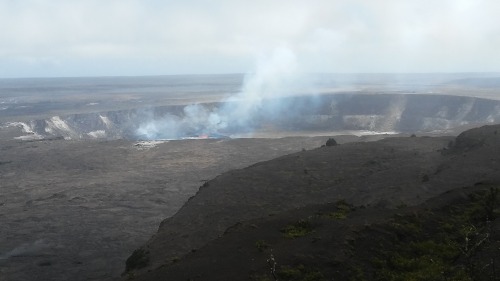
{"x": 75, "y": 210}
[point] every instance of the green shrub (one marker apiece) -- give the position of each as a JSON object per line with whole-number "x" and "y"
{"x": 356, "y": 273}
{"x": 442, "y": 247}
{"x": 290, "y": 273}
{"x": 299, "y": 229}
{"x": 261, "y": 245}
{"x": 299, "y": 273}
{"x": 343, "y": 209}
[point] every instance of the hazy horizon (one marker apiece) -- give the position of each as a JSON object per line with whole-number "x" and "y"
{"x": 463, "y": 74}
{"x": 55, "y": 38}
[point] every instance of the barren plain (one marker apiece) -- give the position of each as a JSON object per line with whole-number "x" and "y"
{"x": 78, "y": 195}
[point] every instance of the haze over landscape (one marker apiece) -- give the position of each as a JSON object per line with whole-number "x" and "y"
{"x": 115, "y": 38}
{"x": 235, "y": 140}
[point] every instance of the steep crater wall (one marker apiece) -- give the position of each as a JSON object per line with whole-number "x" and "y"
{"x": 405, "y": 113}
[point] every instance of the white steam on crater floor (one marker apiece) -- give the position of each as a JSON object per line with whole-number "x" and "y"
{"x": 97, "y": 134}
{"x": 25, "y": 128}
{"x": 57, "y": 124}
{"x": 145, "y": 145}
{"x": 275, "y": 76}
{"x": 273, "y": 100}
{"x": 106, "y": 121}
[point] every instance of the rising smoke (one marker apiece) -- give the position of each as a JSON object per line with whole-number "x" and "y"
{"x": 262, "y": 99}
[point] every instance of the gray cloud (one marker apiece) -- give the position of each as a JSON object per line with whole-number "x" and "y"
{"x": 132, "y": 37}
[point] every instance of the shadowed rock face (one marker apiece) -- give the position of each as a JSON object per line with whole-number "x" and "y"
{"x": 406, "y": 113}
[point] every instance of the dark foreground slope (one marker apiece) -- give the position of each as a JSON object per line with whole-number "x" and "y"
{"x": 379, "y": 176}
{"x": 337, "y": 241}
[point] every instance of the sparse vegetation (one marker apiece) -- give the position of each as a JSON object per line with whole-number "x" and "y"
{"x": 441, "y": 247}
{"x": 261, "y": 245}
{"x": 299, "y": 272}
{"x": 343, "y": 208}
{"x": 490, "y": 203}
{"x": 289, "y": 273}
{"x": 443, "y": 239}
{"x": 356, "y": 273}
{"x": 261, "y": 278}
{"x": 299, "y": 229}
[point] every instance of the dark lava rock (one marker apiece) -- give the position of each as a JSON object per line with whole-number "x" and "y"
{"x": 278, "y": 186}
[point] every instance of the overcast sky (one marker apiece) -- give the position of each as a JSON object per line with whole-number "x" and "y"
{"x": 155, "y": 37}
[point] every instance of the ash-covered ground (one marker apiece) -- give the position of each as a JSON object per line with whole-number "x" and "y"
{"x": 75, "y": 210}
{"x": 80, "y": 189}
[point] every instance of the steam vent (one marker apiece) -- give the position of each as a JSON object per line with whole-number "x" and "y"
{"x": 381, "y": 113}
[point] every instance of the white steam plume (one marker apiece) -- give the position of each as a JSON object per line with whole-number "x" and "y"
{"x": 260, "y": 99}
